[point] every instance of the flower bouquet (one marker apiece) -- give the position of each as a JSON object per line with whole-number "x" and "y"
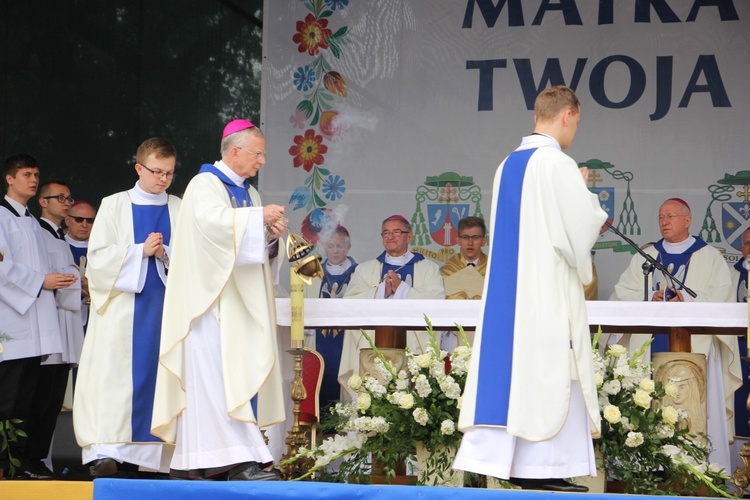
{"x": 415, "y": 406}
{"x": 642, "y": 444}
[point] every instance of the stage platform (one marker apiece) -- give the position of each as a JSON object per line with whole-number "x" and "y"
{"x": 118, "y": 489}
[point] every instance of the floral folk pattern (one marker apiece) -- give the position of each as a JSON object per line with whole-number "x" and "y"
{"x": 321, "y": 87}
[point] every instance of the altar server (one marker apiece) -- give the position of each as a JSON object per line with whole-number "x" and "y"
{"x": 530, "y": 406}
{"x": 128, "y": 258}
{"x": 28, "y": 315}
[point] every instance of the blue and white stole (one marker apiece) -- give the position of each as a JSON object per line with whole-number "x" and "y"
{"x": 499, "y": 306}
{"x": 678, "y": 264}
{"x": 238, "y": 195}
{"x": 405, "y": 272}
{"x": 147, "y": 314}
{"x": 328, "y": 342}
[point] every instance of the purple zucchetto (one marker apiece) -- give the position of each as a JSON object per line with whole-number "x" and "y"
{"x": 236, "y": 126}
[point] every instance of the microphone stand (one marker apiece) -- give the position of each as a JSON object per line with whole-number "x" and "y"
{"x": 649, "y": 265}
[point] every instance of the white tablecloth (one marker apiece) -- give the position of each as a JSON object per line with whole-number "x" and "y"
{"x": 447, "y": 313}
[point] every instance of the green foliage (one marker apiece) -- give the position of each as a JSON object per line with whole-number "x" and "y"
{"x": 10, "y": 434}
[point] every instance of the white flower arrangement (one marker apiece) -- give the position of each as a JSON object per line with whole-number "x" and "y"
{"x": 418, "y": 404}
{"x": 641, "y": 443}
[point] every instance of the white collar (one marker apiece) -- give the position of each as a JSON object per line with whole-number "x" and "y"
{"x": 224, "y": 168}
{"x": 538, "y": 140}
{"x": 338, "y": 269}
{"x": 21, "y": 209}
{"x": 76, "y": 243}
{"x": 140, "y": 197}
{"x": 54, "y": 226}
{"x": 399, "y": 261}
{"x": 677, "y": 248}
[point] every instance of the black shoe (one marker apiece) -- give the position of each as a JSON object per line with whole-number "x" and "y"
{"x": 103, "y": 467}
{"x": 547, "y": 485}
{"x": 34, "y": 471}
{"x": 251, "y": 471}
{"x": 562, "y": 485}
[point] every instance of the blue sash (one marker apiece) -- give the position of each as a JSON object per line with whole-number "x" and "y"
{"x": 405, "y": 272}
{"x": 499, "y": 306}
{"x": 741, "y": 292}
{"x": 680, "y": 264}
{"x": 238, "y": 195}
{"x": 147, "y": 313}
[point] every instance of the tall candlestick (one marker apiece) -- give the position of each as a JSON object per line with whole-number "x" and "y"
{"x": 298, "y": 309}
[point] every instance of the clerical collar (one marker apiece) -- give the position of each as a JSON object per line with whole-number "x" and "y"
{"x": 399, "y": 261}
{"x": 140, "y": 197}
{"x": 76, "y": 243}
{"x": 474, "y": 263}
{"x": 338, "y": 269}
{"x": 677, "y": 248}
{"x": 21, "y": 209}
{"x": 537, "y": 140}
{"x": 52, "y": 224}
{"x": 231, "y": 174}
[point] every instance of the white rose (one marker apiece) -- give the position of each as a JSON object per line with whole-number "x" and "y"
{"x": 598, "y": 379}
{"x": 423, "y": 360}
{"x": 447, "y": 427}
{"x": 670, "y": 450}
{"x": 406, "y": 401}
{"x": 420, "y": 416}
{"x": 616, "y": 350}
{"x": 642, "y": 399}
{"x": 363, "y": 401}
{"x": 670, "y": 415}
{"x": 612, "y": 414}
{"x": 670, "y": 389}
{"x": 634, "y": 439}
{"x": 355, "y": 382}
{"x": 647, "y": 385}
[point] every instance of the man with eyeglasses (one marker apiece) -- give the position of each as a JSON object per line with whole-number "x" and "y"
{"x": 128, "y": 261}
{"x": 472, "y": 236}
{"x": 338, "y": 268}
{"x": 397, "y": 273}
{"x": 79, "y": 221}
{"x": 702, "y": 268}
{"x": 219, "y": 376}
{"x": 55, "y": 201}
{"x": 28, "y": 315}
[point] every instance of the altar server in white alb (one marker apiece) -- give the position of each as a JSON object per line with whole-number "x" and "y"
{"x": 128, "y": 259}
{"x": 28, "y": 314}
{"x": 219, "y": 375}
{"x": 530, "y": 406}
{"x": 702, "y": 268}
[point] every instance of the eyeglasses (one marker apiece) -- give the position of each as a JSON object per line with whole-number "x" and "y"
{"x": 159, "y": 173}
{"x": 670, "y": 217}
{"x": 80, "y": 220}
{"x": 395, "y": 232}
{"x": 259, "y": 154}
{"x": 472, "y": 237}
{"x": 61, "y": 198}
